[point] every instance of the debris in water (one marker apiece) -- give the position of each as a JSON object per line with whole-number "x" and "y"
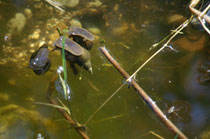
{"x": 127, "y": 47}
{"x": 7, "y": 37}
{"x": 93, "y": 86}
{"x": 107, "y": 65}
{"x": 39, "y": 136}
{"x": 56, "y": 4}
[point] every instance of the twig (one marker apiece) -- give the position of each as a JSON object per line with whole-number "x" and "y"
{"x": 158, "y": 43}
{"x": 93, "y": 86}
{"x": 204, "y": 11}
{"x": 200, "y": 18}
{"x": 193, "y": 3}
{"x": 103, "y": 104}
{"x": 204, "y": 26}
{"x": 145, "y": 97}
{"x": 64, "y": 113}
{"x": 124, "y": 45}
{"x": 64, "y": 106}
{"x": 200, "y": 15}
{"x": 153, "y": 133}
{"x": 111, "y": 118}
{"x": 197, "y": 12}
{"x": 54, "y": 106}
{"x": 181, "y": 27}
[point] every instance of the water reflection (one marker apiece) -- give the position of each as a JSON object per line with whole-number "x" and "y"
{"x": 193, "y": 83}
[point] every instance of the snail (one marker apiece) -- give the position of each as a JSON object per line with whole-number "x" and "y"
{"x": 82, "y": 37}
{"x": 75, "y": 53}
{"x": 39, "y": 61}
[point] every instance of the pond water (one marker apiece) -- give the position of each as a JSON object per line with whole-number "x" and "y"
{"x": 179, "y": 79}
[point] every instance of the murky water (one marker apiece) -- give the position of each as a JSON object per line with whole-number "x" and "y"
{"x": 129, "y": 28}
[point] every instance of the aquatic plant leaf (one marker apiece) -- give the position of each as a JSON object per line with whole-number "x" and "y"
{"x": 54, "y": 106}
{"x": 63, "y": 58}
{"x": 64, "y": 105}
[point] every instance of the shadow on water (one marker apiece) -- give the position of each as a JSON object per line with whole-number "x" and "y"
{"x": 177, "y": 81}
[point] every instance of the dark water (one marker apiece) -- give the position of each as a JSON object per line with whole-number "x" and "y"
{"x": 170, "y": 79}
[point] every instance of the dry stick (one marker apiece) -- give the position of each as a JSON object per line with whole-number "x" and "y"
{"x": 181, "y": 27}
{"x": 65, "y": 114}
{"x": 198, "y": 13}
{"x": 204, "y": 26}
{"x": 205, "y": 10}
{"x": 146, "y": 98}
{"x": 200, "y": 16}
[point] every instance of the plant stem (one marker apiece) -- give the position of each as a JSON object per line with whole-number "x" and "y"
{"x": 63, "y": 58}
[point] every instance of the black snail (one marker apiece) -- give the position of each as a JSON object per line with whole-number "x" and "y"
{"x": 39, "y": 61}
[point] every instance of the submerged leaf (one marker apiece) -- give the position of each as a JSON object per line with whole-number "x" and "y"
{"x": 54, "y": 106}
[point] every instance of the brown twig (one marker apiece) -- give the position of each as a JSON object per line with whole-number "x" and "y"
{"x": 64, "y": 113}
{"x": 146, "y": 98}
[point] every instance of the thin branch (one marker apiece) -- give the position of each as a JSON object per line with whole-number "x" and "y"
{"x": 204, "y": 26}
{"x": 102, "y": 105}
{"x": 145, "y": 97}
{"x": 201, "y": 19}
{"x": 54, "y": 106}
{"x": 197, "y": 12}
{"x": 180, "y": 28}
{"x": 154, "y": 134}
{"x": 204, "y": 11}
